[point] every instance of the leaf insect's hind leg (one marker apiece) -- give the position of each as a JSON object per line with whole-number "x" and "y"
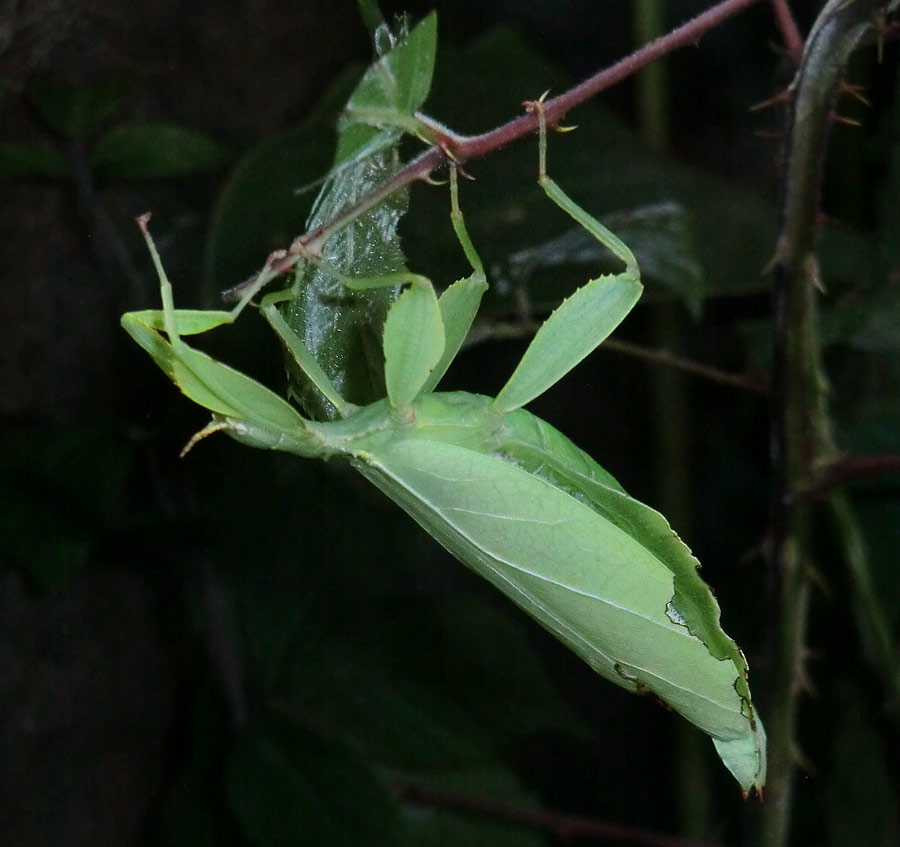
{"x": 607, "y": 238}
{"x": 583, "y": 320}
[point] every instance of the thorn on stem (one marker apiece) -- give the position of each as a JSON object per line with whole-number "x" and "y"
{"x": 854, "y": 91}
{"x": 782, "y": 96}
{"x": 843, "y": 119}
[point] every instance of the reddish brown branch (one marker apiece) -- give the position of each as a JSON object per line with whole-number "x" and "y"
{"x": 790, "y": 34}
{"x": 855, "y": 467}
{"x": 449, "y": 145}
{"x": 561, "y": 825}
{"x": 557, "y": 108}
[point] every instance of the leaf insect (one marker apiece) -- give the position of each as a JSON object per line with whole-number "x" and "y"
{"x": 505, "y": 492}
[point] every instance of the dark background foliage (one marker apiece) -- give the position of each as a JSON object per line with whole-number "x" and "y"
{"x": 192, "y": 651}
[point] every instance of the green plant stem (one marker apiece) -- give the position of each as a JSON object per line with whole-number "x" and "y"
{"x": 671, "y": 414}
{"x": 652, "y": 89}
{"x": 874, "y": 627}
{"x": 801, "y": 434}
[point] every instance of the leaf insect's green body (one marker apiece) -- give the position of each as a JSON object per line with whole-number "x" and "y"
{"x": 502, "y": 490}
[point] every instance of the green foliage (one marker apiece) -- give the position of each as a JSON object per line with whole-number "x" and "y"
{"x": 292, "y": 787}
{"x": 75, "y": 110}
{"x": 59, "y": 488}
{"x": 243, "y": 225}
{"x": 155, "y": 151}
{"x": 78, "y": 112}
{"x": 32, "y": 160}
{"x": 431, "y": 826}
{"x": 341, "y": 328}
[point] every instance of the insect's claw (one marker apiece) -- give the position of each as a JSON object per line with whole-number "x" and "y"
{"x": 463, "y": 172}
{"x": 536, "y": 105}
{"x": 233, "y": 294}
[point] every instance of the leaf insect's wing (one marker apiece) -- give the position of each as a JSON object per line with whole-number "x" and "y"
{"x": 601, "y": 571}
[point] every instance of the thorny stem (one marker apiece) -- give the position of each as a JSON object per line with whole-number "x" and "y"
{"x": 447, "y": 145}
{"x": 801, "y": 438}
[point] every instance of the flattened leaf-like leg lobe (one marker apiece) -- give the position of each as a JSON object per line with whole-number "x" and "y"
{"x": 413, "y": 342}
{"x": 458, "y": 304}
{"x": 212, "y": 384}
{"x": 571, "y": 333}
{"x": 581, "y": 576}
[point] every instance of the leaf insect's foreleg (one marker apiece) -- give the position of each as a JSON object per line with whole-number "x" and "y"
{"x": 302, "y": 354}
{"x": 460, "y": 301}
{"x": 581, "y": 322}
{"x": 240, "y": 405}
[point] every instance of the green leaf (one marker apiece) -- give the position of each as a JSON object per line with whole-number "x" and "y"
{"x": 291, "y": 787}
{"x": 75, "y": 109}
{"x": 490, "y": 668}
{"x": 30, "y": 160}
{"x": 156, "y": 151}
{"x": 58, "y": 488}
{"x": 342, "y": 328}
{"x": 393, "y": 716}
{"x": 392, "y": 89}
{"x": 261, "y": 208}
{"x": 371, "y": 15}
